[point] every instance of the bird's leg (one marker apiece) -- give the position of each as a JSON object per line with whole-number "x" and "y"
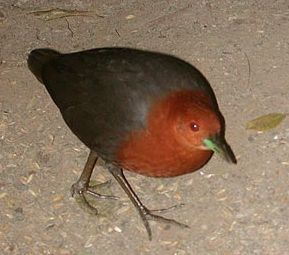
{"x": 82, "y": 185}
{"x": 145, "y": 213}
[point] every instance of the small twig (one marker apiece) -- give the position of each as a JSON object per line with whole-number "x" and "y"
{"x": 117, "y": 32}
{"x": 69, "y": 28}
{"x": 249, "y": 70}
{"x": 37, "y": 34}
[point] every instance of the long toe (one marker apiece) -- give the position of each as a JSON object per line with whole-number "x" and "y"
{"x": 95, "y": 194}
{"x": 173, "y": 207}
{"x": 147, "y": 216}
{"x": 91, "y": 208}
{"x": 80, "y": 188}
{"x": 150, "y": 216}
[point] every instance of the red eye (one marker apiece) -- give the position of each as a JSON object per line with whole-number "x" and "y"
{"x": 194, "y": 127}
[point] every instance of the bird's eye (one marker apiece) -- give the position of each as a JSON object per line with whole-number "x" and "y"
{"x": 194, "y": 127}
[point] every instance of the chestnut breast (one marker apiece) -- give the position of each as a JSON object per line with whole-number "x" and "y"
{"x": 156, "y": 151}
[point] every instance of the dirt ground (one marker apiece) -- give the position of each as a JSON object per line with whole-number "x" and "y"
{"x": 242, "y": 47}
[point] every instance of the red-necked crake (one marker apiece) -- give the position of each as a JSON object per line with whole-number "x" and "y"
{"x": 141, "y": 111}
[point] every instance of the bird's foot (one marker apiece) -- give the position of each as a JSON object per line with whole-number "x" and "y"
{"x": 81, "y": 188}
{"x": 147, "y": 216}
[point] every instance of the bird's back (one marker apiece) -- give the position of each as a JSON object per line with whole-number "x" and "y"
{"x": 104, "y": 94}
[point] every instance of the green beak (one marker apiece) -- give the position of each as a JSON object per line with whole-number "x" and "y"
{"x": 218, "y": 144}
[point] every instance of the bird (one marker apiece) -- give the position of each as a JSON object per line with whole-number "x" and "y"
{"x": 142, "y": 111}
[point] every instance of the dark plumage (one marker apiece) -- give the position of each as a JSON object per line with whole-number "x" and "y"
{"x": 103, "y": 94}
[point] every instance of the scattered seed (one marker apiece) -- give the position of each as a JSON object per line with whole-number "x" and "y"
{"x": 36, "y": 165}
{"x": 10, "y": 216}
{"x": 232, "y": 225}
{"x": 2, "y": 195}
{"x": 208, "y": 176}
{"x": 117, "y": 229}
{"x": 122, "y": 210}
{"x": 57, "y": 198}
{"x": 177, "y": 196}
{"x": 11, "y": 165}
{"x": 32, "y": 192}
{"x": 161, "y": 187}
{"x": 23, "y": 180}
{"x": 29, "y": 179}
{"x": 89, "y": 242}
{"x": 222, "y": 199}
{"x": 58, "y": 205}
{"x": 49, "y": 226}
{"x": 221, "y": 191}
{"x": 130, "y": 17}
{"x": 169, "y": 243}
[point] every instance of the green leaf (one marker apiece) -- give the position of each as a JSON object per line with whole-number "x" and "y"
{"x": 266, "y": 122}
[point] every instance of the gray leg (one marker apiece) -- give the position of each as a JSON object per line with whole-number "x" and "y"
{"x": 145, "y": 214}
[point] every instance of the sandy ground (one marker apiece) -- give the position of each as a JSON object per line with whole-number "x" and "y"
{"x": 243, "y": 49}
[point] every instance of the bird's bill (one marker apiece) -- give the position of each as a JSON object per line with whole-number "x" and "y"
{"x": 219, "y": 145}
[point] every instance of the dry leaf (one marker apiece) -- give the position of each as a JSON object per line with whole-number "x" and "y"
{"x": 57, "y": 13}
{"x": 266, "y": 122}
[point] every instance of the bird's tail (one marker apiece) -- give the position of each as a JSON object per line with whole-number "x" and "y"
{"x": 38, "y": 58}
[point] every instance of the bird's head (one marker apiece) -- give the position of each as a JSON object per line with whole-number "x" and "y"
{"x": 198, "y": 124}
